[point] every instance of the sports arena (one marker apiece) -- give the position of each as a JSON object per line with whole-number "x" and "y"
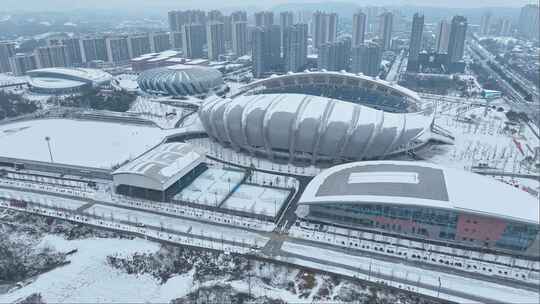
{"x": 355, "y": 88}
{"x": 66, "y": 80}
{"x": 320, "y": 117}
{"x": 423, "y": 201}
{"x": 181, "y": 80}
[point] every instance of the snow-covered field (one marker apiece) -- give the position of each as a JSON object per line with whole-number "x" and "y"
{"x": 257, "y": 199}
{"x": 163, "y": 114}
{"x": 75, "y": 142}
{"x": 211, "y": 187}
{"x": 177, "y": 224}
{"x": 89, "y": 279}
{"x": 483, "y": 138}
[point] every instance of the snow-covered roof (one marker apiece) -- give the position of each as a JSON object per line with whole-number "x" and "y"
{"x": 180, "y": 79}
{"x": 420, "y": 184}
{"x": 54, "y": 83}
{"x": 160, "y": 167}
{"x": 300, "y": 124}
{"x": 94, "y": 76}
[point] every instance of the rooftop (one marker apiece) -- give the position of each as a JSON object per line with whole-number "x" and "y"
{"x": 162, "y": 166}
{"x": 421, "y": 184}
{"x": 54, "y": 83}
{"x": 81, "y": 74}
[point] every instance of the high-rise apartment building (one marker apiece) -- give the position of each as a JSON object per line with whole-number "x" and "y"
{"x": 193, "y": 39}
{"x": 443, "y": 37}
{"x": 324, "y": 28}
{"x": 160, "y": 41}
{"x": 176, "y": 40}
{"x": 139, "y": 44}
{"x": 215, "y": 16}
{"x": 215, "y": 39}
{"x": 239, "y": 38}
{"x": 7, "y": 50}
{"x": 265, "y": 51}
{"x": 415, "y": 42}
{"x": 456, "y": 42}
{"x": 93, "y": 48}
{"x": 505, "y": 27}
{"x": 359, "y": 28}
{"x": 529, "y": 21}
{"x": 286, "y": 19}
{"x": 51, "y": 56}
{"x": 21, "y": 63}
{"x": 238, "y": 16}
{"x": 335, "y": 56}
{"x": 73, "y": 51}
{"x": 117, "y": 49}
{"x": 177, "y": 19}
{"x": 366, "y": 59}
{"x": 485, "y": 23}
{"x": 264, "y": 18}
{"x": 295, "y": 47}
{"x": 385, "y": 30}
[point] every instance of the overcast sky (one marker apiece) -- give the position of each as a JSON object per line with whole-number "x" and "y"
{"x": 36, "y": 5}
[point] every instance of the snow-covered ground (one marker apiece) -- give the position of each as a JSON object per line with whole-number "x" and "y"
{"x": 89, "y": 279}
{"x": 226, "y": 154}
{"x": 479, "y": 288}
{"x": 126, "y": 82}
{"x": 482, "y": 139}
{"x": 6, "y": 79}
{"x": 257, "y": 199}
{"x": 74, "y": 142}
{"x": 181, "y": 225}
{"x": 164, "y": 115}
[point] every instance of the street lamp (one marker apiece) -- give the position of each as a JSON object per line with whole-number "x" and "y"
{"x": 48, "y": 140}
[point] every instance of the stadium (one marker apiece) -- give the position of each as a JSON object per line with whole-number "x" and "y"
{"x": 66, "y": 80}
{"x": 181, "y": 80}
{"x": 320, "y": 117}
{"x": 423, "y": 201}
{"x": 355, "y": 88}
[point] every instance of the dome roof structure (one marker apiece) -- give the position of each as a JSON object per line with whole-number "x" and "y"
{"x": 181, "y": 80}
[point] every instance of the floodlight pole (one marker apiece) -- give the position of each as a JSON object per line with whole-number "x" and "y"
{"x": 48, "y": 140}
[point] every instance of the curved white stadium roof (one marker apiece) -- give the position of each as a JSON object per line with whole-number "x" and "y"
{"x": 54, "y": 83}
{"x": 362, "y": 80}
{"x": 298, "y": 125}
{"x": 423, "y": 185}
{"x": 93, "y": 76}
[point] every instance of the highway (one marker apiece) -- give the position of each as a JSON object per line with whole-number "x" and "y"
{"x": 516, "y": 100}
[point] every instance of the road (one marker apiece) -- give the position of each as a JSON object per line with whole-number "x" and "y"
{"x": 397, "y": 66}
{"x": 516, "y": 100}
{"x": 273, "y": 250}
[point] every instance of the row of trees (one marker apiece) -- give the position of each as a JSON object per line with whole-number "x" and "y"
{"x": 12, "y": 105}
{"x": 94, "y": 99}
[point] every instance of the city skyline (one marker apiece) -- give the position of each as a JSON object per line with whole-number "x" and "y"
{"x": 62, "y": 5}
{"x": 287, "y": 153}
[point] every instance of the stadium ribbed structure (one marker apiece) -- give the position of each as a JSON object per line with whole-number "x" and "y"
{"x": 181, "y": 80}
{"x": 297, "y": 126}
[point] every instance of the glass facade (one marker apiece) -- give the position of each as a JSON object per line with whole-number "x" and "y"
{"x": 430, "y": 223}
